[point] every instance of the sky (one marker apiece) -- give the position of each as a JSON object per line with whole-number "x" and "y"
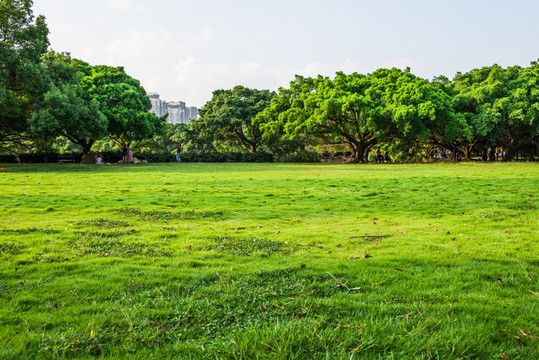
{"x": 186, "y": 49}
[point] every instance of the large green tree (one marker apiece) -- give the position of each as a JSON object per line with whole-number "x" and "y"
{"x": 87, "y": 103}
{"x": 193, "y": 136}
{"x": 278, "y": 120}
{"x": 520, "y": 130}
{"x": 230, "y": 115}
{"x": 474, "y": 95}
{"x": 360, "y": 110}
{"x": 65, "y": 109}
{"x": 123, "y": 101}
{"x": 500, "y": 106}
{"x": 451, "y": 132}
{"x": 22, "y": 42}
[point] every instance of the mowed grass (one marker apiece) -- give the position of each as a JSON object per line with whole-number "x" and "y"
{"x": 269, "y": 261}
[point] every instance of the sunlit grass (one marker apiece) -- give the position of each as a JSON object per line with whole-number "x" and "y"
{"x": 256, "y": 261}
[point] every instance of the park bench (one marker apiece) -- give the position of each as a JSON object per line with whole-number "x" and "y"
{"x": 66, "y": 159}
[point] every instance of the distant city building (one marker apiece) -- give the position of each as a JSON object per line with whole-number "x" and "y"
{"x": 157, "y": 104}
{"x": 192, "y": 113}
{"x": 177, "y": 112}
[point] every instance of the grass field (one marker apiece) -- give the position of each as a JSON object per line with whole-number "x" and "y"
{"x": 270, "y": 261}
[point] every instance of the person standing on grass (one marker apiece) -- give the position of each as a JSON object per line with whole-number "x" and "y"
{"x": 178, "y": 151}
{"x": 410, "y": 154}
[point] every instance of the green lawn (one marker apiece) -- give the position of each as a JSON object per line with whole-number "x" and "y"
{"x": 272, "y": 261}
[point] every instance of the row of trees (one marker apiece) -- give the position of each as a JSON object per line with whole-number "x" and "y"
{"x": 44, "y": 94}
{"x": 48, "y": 97}
{"x": 392, "y": 108}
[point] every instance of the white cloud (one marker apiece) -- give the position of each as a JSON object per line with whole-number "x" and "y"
{"x": 126, "y": 5}
{"x": 119, "y": 4}
{"x": 141, "y": 8}
{"x": 205, "y": 35}
{"x": 196, "y": 79}
{"x": 139, "y": 44}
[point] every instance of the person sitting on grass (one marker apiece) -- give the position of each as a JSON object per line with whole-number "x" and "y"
{"x": 124, "y": 156}
{"x": 129, "y": 156}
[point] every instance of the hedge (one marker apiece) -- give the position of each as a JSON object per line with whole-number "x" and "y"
{"x": 151, "y": 157}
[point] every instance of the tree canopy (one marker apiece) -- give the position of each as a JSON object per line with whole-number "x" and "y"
{"x": 230, "y": 114}
{"x": 500, "y": 106}
{"x": 123, "y": 101}
{"x": 22, "y": 42}
{"x": 359, "y": 110}
{"x": 86, "y": 103}
{"x": 65, "y": 109}
{"x": 51, "y": 94}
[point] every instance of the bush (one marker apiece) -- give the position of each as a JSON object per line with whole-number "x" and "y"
{"x": 36, "y": 158}
{"x": 302, "y": 156}
{"x": 8, "y": 159}
{"x": 161, "y": 156}
{"x": 213, "y": 156}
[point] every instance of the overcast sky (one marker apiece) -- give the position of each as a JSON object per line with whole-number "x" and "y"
{"x": 185, "y": 49}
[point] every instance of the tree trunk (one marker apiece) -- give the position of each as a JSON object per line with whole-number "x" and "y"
{"x": 359, "y": 153}
{"x": 86, "y": 145}
{"x": 510, "y": 151}
{"x": 455, "y": 154}
{"x": 468, "y": 153}
{"x": 357, "y": 156}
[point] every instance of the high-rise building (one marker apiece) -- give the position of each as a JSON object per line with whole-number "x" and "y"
{"x": 177, "y": 112}
{"x": 165, "y": 107}
{"x": 191, "y": 113}
{"x": 157, "y": 104}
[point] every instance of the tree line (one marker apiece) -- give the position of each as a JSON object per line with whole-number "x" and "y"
{"x": 48, "y": 99}
{"x": 390, "y": 108}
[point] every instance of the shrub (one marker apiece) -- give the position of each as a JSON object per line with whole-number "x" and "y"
{"x": 302, "y": 156}
{"x": 8, "y": 159}
{"x": 160, "y": 156}
{"x": 213, "y": 156}
{"x": 36, "y": 158}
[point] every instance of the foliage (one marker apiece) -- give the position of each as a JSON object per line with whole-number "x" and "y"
{"x": 65, "y": 110}
{"x": 301, "y": 156}
{"x": 360, "y": 110}
{"x": 229, "y": 116}
{"x": 193, "y": 136}
{"x": 123, "y": 101}
{"x": 22, "y": 41}
{"x": 154, "y": 156}
{"x": 214, "y": 156}
{"x": 500, "y": 106}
